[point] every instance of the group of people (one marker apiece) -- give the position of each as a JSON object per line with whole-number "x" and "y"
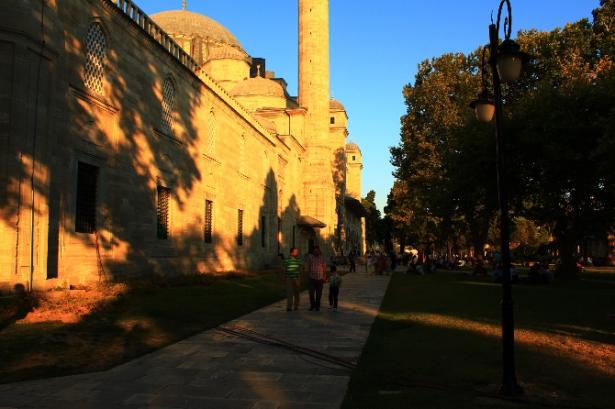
{"x": 316, "y": 265}
{"x": 539, "y": 271}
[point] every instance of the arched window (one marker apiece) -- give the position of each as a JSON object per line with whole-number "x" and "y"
{"x": 168, "y": 103}
{"x": 95, "y": 52}
{"x": 211, "y": 134}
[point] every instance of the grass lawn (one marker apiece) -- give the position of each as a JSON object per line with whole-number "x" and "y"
{"x": 436, "y": 344}
{"x": 140, "y": 320}
{"x": 599, "y": 274}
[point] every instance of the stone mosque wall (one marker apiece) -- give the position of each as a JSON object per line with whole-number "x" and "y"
{"x": 119, "y": 156}
{"x": 115, "y": 126}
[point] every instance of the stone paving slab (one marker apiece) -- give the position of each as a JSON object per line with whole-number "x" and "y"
{"x": 218, "y": 370}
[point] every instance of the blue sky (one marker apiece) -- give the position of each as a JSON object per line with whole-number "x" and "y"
{"x": 375, "y": 49}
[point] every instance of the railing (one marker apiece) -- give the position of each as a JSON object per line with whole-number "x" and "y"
{"x": 133, "y": 12}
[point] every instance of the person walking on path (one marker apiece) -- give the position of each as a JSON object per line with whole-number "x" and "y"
{"x": 352, "y": 259}
{"x": 317, "y": 266}
{"x": 293, "y": 267}
{"x": 335, "y": 281}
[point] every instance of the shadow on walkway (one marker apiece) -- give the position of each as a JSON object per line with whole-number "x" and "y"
{"x": 270, "y": 358}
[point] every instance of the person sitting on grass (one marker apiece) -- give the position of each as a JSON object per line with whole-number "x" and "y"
{"x": 293, "y": 268}
{"x": 479, "y": 268}
{"x": 498, "y": 273}
{"x": 539, "y": 274}
{"x": 335, "y": 281}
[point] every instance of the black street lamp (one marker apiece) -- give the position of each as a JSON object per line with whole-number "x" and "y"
{"x": 484, "y": 105}
{"x": 506, "y": 61}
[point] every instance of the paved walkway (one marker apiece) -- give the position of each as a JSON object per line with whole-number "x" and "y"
{"x": 219, "y": 370}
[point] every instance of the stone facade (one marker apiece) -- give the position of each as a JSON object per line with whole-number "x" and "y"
{"x": 122, "y": 154}
{"x": 355, "y": 235}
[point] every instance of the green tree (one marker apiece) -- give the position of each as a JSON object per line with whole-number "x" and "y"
{"x": 561, "y": 132}
{"x": 440, "y": 162}
{"x": 374, "y": 226}
{"x": 559, "y": 142}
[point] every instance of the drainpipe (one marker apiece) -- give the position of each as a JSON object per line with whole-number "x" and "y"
{"x": 32, "y": 173}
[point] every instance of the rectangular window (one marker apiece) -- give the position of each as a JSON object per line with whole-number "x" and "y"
{"x": 332, "y": 120}
{"x": 294, "y": 236}
{"x": 162, "y": 212}
{"x": 209, "y": 212}
{"x": 263, "y": 231}
{"x": 239, "y": 227}
{"x": 85, "y": 209}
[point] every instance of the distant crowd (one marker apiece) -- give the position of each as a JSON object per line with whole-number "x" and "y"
{"x": 318, "y": 272}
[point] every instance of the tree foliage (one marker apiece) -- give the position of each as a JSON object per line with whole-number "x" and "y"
{"x": 558, "y": 119}
{"x": 374, "y": 227}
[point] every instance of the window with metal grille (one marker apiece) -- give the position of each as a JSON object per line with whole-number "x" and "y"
{"x": 95, "y": 52}
{"x": 263, "y": 231}
{"x": 211, "y": 134}
{"x": 209, "y": 213}
{"x": 162, "y": 212}
{"x": 239, "y": 227}
{"x": 85, "y": 209}
{"x": 168, "y": 103}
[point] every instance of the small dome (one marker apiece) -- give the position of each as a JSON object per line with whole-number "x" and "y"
{"x": 182, "y": 22}
{"x": 336, "y": 105}
{"x": 352, "y": 147}
{"x": 258, "y": 86}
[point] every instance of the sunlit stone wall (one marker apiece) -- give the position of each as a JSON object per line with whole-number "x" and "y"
{"x": 119, "y": 131}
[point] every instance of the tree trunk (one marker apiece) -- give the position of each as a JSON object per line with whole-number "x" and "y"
{"x": 402, "y": 243}
{"x": 478, "y": 242}
{"x": 478, "y": 233}
{"x": 611, "y": 247}
{"x": 566, "y": 246}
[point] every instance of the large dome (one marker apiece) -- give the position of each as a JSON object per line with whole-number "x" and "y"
{"x": 182, "y": 22}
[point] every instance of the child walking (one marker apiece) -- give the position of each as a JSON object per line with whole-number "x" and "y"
{"x": 335, "y": 281}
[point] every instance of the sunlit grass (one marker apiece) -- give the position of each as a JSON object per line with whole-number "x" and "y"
{"x": 149, "y": 316}
{"x": 436, "y": 344}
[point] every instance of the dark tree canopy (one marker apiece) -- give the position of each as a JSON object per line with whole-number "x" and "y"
{"x": 559, "y": 126}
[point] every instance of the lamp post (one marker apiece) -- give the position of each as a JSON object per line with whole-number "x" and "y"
{"x": 506, "y": 61}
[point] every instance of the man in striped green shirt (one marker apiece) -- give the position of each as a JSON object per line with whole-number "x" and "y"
{"x": 293, "y": 268}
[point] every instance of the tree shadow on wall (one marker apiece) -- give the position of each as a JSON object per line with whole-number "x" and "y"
{"x": 120, "y": 132}
{"x": 117, "y": 130}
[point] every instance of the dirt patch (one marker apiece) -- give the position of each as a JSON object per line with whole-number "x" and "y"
{"x": 70, "y": 306}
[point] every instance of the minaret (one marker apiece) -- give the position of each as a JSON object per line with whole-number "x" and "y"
{"x": 354, "y": 166}
{"x": 319, "y": 188}
{"x": 314, "y": 60}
